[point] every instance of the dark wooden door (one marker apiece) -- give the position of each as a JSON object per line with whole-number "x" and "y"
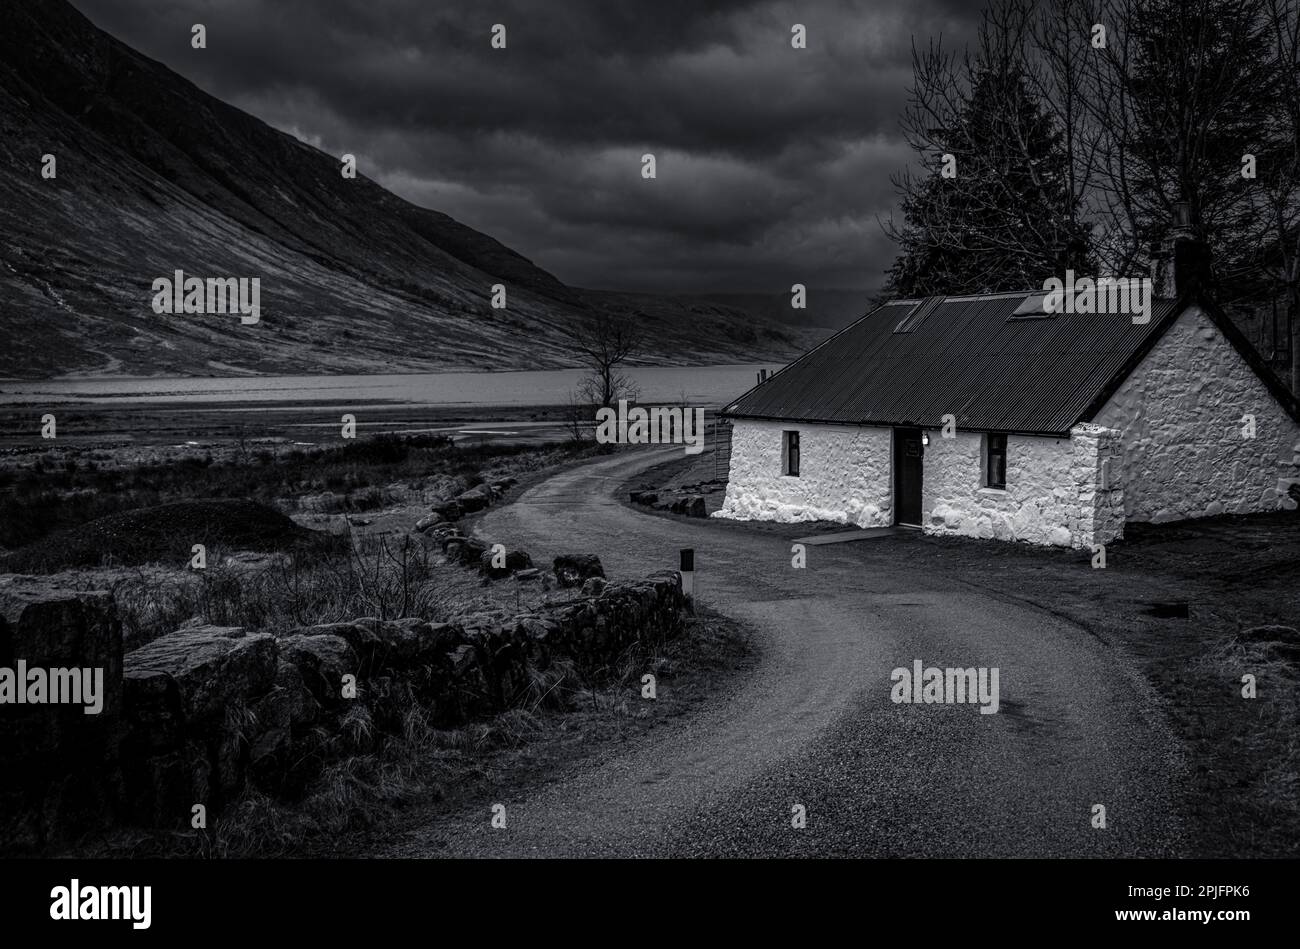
{"x": 907, "y": 476}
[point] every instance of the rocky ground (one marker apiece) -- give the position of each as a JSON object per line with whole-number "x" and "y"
{"x": 694, "y": 486}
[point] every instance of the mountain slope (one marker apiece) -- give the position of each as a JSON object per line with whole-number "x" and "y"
{"x": 825, "y": 307}
{"x": 154, "y": 175}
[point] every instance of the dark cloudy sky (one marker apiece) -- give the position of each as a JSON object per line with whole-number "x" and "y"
{"x": 773, "y": 163}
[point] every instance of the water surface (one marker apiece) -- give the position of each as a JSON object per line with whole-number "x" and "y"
{"x": 692, "y": 385}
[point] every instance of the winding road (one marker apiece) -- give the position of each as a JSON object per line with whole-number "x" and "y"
{"x": 814, "y": 724}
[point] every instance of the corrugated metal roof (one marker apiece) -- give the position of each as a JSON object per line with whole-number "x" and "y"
{"x": 965, "y": 358}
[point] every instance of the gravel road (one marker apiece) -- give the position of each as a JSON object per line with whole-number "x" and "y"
{"x": 814, "y": 724}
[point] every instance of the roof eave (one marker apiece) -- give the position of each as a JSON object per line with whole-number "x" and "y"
{"x": 876, "y": 423}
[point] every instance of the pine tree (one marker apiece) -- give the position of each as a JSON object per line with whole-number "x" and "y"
{"x": 1008, "y": 219}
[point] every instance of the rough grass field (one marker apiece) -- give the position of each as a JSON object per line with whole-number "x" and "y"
{"x": 166, "y": 533}
{"x": 41, "y": 493}
{"x": 130, "y": 527}
{"x": 99, "y": 519}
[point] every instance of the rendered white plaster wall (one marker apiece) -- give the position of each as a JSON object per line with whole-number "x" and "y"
{"x": 1180, "y": 414}
{"x": 1040, "y": 504}
{"x": 845, "y": 474}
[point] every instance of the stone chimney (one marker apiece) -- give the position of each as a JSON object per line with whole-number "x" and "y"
{"x": 1181, "y": 262}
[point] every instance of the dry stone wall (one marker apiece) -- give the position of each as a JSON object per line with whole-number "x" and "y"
{"x": 199, "y": 715}
{"x": 58, "y": 765}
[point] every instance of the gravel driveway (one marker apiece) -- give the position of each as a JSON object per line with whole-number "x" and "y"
{"x": 815, "y": 726}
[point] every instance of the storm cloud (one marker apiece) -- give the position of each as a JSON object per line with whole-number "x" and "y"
{"x": 773, "y": 163}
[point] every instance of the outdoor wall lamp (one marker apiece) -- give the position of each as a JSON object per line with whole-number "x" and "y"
{"x": 925, "y": 438}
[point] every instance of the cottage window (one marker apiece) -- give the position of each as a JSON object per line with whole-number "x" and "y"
{"x": 995, "y": 461}
{"x": 790, "y": 453}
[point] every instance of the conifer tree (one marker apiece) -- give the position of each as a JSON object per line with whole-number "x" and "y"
{"x": 1006, "y": 219}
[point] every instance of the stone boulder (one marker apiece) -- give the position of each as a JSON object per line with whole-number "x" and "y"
{"x": 209, "y": 711}
{"x": 253, "y": 562}
{"x": 692, "y": 506}
{"x": 323, "y": 660}
{"x": 404, "y": 642}
{"x": 535, "y": 628}
{"x": 407, "y": 644}
{"x": 52, "y": 627}
{"x": 433, "y": 522}
{"x": 515, "y": 560}
{"x": 213, "y": 671}
{"x": 358, "y": 635}
{"x": 448, "y": 510}
{"x": 60, "y": 773}
{"x": 218, "y": 680}
{"x": 270, "y": 756}
{"x": 162, "y": 788}
{"x": 465, "y": 550}
{"x": 475, "y": 499}
{"x": 572, "y": 569}
{"x": 299, "y": 704}
{"x": 228, "y": 632}
{"x": 155, "y": 712}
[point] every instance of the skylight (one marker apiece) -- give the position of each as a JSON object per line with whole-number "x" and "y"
{"x": 917, "y": 314}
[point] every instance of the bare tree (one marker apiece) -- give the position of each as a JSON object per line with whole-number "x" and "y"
{"x": 605, "y": 344}
{"x": 578, "y": 415}
{"x": 1280, "y": 220}
{"x": 241, "y": 442}
{"x": 1009, "y": 216}
{"x": 1182, "y": 93}
{"x": 1157, "y": 112}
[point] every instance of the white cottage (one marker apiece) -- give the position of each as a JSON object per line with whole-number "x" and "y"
{"x": 988, "y": 417}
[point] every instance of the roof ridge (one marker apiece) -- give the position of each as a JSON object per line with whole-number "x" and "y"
{"x": 962, "y": 297}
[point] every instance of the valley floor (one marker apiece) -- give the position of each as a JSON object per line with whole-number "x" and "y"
{"x": 1120, "y": 687}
